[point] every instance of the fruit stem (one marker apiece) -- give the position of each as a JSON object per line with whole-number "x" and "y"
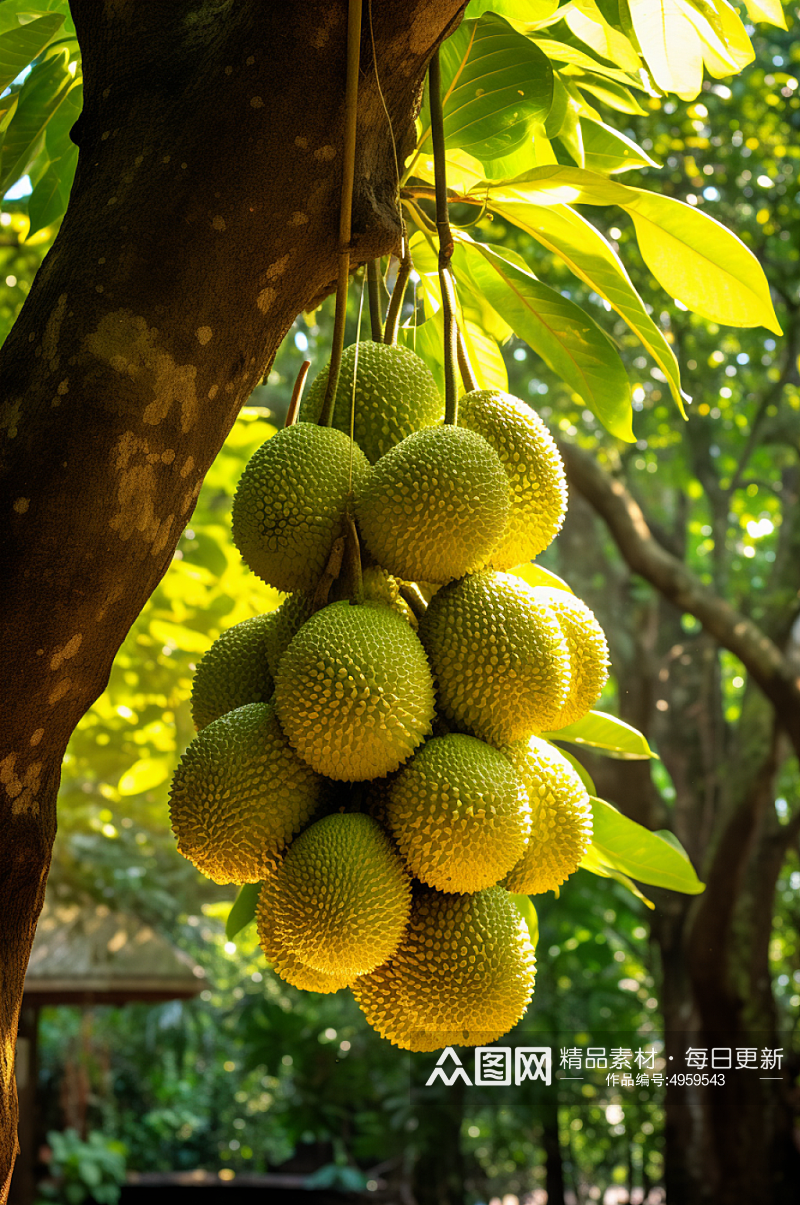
{"x": 465, "y": 367}
{"x": 411, "y": 593}
{"x": 329, "y": 575}
{"x": 353, "y": 555}
{"x": 445, "y": 241}
{"x": 297, "y": 394}
{"x": 346, "y": 205}
{"x": 375, "y": 316}
{"x": 398, "y": 293}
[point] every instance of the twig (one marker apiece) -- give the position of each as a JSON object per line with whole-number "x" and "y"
{"x": 297, "y": 394}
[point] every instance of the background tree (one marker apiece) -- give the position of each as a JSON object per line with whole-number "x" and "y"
{"x": 156, "y": 336}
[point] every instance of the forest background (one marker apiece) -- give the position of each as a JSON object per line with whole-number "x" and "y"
{"x": 255, "y": 1073}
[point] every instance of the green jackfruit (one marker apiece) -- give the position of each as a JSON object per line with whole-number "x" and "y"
{"x": 460, "y": 819}
{"x": 342, "y": 896}
{"x": 234, "y": 671}
{"x": 434, "y": 507}
{"x": 588, "y": 653}
{"x": 463, "y": 974}
{"x": 240, "y": 794}
{"x": 499, "y": 657}
{"x": 291, "y": 503}
{"x": 284, "y": 962}
{"x": 354, "y": 691}
{"x": 561, "y": 817}
{"x": 535, "y": 471}
{"x": 395, "y": 395}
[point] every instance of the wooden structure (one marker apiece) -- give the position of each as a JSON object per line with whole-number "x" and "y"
{"x": 85, "y": 954}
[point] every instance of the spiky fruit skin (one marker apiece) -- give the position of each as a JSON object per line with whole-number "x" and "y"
{"x": 240, "y": 794}
{"x": 463, "y": 974}
{"x": 500, "y": 660}
{"x": 535, "y": 471}
{"x": 284, "y": 962}
{"x": 561, "y": 817}
{"x": 588, "y": 653}
{"x": 289, "y": 619}
{"x": 434, "y": 507}
{"x": 395, "y": 395}
{"x": 460, "y": 819}
{"x": 235, "y": 670}
{"x": 381, "y": 998}
{"x": 342, "y": 896}
{"x": 291, "y": 503}
{"x": 354, "y": 691}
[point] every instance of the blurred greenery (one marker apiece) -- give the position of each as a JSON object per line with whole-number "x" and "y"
{"x": 255, "y": 1074}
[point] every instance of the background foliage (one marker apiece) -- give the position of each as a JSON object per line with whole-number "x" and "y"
{"x": 254, "y": 1073}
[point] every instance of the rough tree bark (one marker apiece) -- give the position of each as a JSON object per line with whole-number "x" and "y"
{"x": 726, "y": 1145}
{"x": 203, "y": 218}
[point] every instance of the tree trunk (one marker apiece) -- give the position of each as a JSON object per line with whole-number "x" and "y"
{"x": 203, "y": 219}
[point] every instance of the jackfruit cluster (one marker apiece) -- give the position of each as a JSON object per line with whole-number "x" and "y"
{"x": 372, "y": 751}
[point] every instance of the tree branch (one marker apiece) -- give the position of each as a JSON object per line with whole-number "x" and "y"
{"x": 763, "y": 660}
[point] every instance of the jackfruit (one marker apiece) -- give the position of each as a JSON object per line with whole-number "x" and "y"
{"x": 354, "y": 691}
{"x": 289, "y": 618}
{"x": 239, "y": 795}
{"x": 341, "y": 897}
{"x": 588, "y": 653}
{"x": 561, "y": 817}
{"x": 234, "y": 671}
{"x": 284, "y": 962}
{"x": 500, "y": 660}
{"x": 381, "y": 998}
{"x": 291, "y": 503}
{"x": 460, "y": 819}
{"x": 535, "y": 471}
{"x": 395, "y": 395}
{"x": 463, "y": 974}
{"x": 434, "y": 506}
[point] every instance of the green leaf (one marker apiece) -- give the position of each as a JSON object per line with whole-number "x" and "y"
{"x": 558, "y": 330}
{"x": 770, "y": 11}
{"x": 243, "y": 910}
{"x": 537, "y": 575}
{"x": 527, "y": 910}
{"x": 701, "y": 263}
{"x": 497, "y": 85}
{"x": 616, "y": 96}
{"x": 43, "y": 92}
{"x": 21, "y": 46}
{"x": 143, "y": 775}
{"x": 516, "y": 10}
{"x": 607, "y": 734}
{"x": 693, "y": 257}
{"x": 48, "y": 201}
{"x": 586, "y": 22}
{"x": 594, "y": 862}
{"x": 426, "y": 339}
{"x": 586, "y": 253}
{"x": 484, "y": 356}
{"x": 607, "y": 151}
{"x": 562, "y": 52}
{"x": 626, "y": 846}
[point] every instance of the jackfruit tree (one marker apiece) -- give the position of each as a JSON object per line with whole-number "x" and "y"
{"x": 128, "y": 364}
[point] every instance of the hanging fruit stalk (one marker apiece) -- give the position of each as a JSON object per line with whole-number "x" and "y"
{"x": 445, "y": 242}
{"x": 373, "y": 287}
{"x": 346, "y": 207}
